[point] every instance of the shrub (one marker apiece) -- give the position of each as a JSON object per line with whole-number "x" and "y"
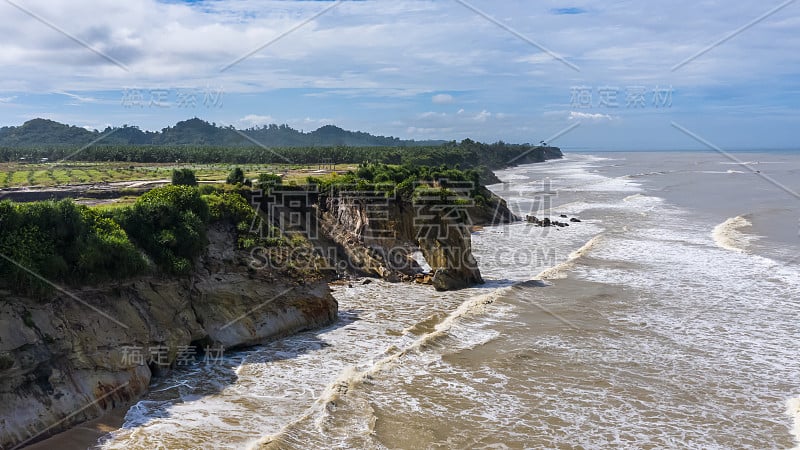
{"x": 236, "y": 176}
{"x": 62, "y": 242}
{"x": 229, "y": 206}
{"x": 184, "y": 177}
{"x": 206, "y": 189}
{"x": 233, "y": 207}
{"x": 168, "y": 223}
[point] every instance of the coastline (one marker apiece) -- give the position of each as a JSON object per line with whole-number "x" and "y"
{"x": 618, "y": 311}
{"x": 85, "y": 435}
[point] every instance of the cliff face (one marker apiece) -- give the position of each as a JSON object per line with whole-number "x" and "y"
{"x": 371, "y": 241}
{"x": 377, "y": 237}
{"x": 71, "y": 358}
{"x": 446, "y": 243}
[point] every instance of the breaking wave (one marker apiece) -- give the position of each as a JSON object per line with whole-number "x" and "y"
{"x": 728, "y": 234}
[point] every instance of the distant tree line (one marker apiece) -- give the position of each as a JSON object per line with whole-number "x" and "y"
{"x": 466, "y": 154}
{"x": 195, "y": 131}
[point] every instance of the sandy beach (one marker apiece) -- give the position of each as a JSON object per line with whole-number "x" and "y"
{"x": 84, "y": 435}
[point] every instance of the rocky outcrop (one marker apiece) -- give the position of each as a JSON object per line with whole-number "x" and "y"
{"x": 372, "y": 237}
{"x": 547, "y": 222}
{"x": 446, "y": 243}
{"x": 493, "y": 210}
{"x": 74, "y": 356}
{"x": 377, "y": 236}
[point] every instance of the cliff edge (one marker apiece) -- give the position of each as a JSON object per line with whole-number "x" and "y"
{"x": 71, "y": 357}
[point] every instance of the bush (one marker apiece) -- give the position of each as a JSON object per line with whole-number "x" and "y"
{"x": 184, "y": 177}
{"x": 168, "y": 223}
{"x": 67, "y": 243}
{"x": 62, "y": 242}
{"x": 206, "y": 189}
{"x": 236, "y": 176}
{"x": 229, "y": 206}
{"x": 233, "y": 207}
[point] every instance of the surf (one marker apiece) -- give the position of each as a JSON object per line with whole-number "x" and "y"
{"x": 729, "y": 235}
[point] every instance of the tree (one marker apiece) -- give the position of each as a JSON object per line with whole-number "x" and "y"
{"x": 236, "y": 176}
{"x": 184, "y": 177}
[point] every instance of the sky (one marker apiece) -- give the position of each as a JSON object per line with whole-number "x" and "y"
{"x": 583, "y": 75}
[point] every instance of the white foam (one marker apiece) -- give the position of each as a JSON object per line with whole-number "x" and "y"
{"x": 793, "y": 410}
{"x": 701, "y": 349}
{"x": 519, "y": 251}
{"x": 728, "y": 234}
{"x": 560, "y": 270}
{"x": 706, "y": 317}
{"x": 269, "y": 387}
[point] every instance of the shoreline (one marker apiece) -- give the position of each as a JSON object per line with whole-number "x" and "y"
{"x": 85, "y": 435}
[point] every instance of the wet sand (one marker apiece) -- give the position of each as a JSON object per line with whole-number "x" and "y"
{"x": 85, "y": 435}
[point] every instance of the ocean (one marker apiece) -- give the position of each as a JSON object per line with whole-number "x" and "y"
{"x": 668, "y": 317}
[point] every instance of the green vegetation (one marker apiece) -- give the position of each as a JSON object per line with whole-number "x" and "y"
{"x": 162, "y": 232}
{"x": 62, "y": 241}
{"x": 467, "y": 154}
{"x": 268, "y": 179}
{"x": 169, "y": 225}
{"x": 236, "y": 176}
{"x": 184, "y": 177}
{"x": 404, "y": 180}
{"x": 233, "y": 208}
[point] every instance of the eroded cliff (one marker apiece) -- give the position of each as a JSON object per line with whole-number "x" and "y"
{"x": 376, "y": 236}
{"x": 68, "y": 358}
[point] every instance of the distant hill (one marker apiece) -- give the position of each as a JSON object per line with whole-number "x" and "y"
{"x": 195, "y": 132}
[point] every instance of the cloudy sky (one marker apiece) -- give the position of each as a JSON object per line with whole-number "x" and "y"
{"x": 583, "y": 74}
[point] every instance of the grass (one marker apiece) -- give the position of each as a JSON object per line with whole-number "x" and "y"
{"x": 52, "y": 174}
{"x": 116, "y": 204}
{"x": 19, "y": 178}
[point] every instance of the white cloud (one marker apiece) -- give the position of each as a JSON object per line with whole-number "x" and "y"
{"x": 432, "y": 114}
{"x": 255, "y": 120}
{"x": 356, "y": 45}
{"x": 428, "y": 132}
{"x": 323, "y": 121}
{"x": 442, "y": 99}
{"x": 482, "y": 116}
{"x": 596, "y": 117}
{"x": 80, "y": 99}
{"x": 403, "y": 55}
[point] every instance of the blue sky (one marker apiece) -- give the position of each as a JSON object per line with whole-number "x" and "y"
{"x": 621, "y": 75}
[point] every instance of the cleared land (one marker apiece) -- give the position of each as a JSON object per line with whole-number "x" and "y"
{"x": 16, "y": 175}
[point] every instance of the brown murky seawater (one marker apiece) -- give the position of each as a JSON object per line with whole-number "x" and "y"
{"x": 667, "y": 318}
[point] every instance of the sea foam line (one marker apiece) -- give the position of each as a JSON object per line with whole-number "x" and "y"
{"x": 559, "y": 271}
{"x": 793, "y": 410}
{"x": 350, "y": 377}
